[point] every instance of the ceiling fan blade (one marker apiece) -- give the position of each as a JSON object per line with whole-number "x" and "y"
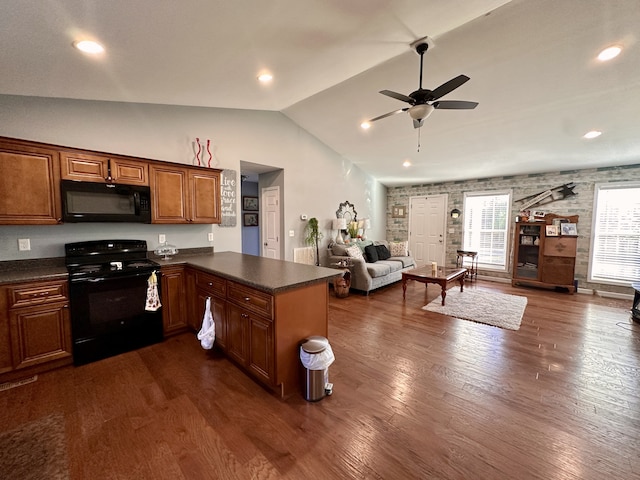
{"x": 449, "y": 86}
{"x": 454, "y": 105}
{"x": 398, "y": 96}
{"x": 418, "y": 123}
{"x": 389, "y": 114}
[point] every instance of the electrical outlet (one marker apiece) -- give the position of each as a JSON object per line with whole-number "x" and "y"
{"x": 210, "y": 236}
{"x": 24, "y": 244}
{"x": 292, "y": 233}
{"x": 162, "y": 238}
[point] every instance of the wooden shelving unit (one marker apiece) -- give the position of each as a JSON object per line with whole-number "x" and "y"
{"x": 541, "y": 260}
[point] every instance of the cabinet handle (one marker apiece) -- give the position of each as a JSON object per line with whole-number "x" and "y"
{"x": 211, "y": 284}
{"x": 247, "y": 299}
{"x": 244, "y": 315}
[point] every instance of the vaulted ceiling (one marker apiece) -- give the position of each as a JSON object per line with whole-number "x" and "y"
{"x": 532, "y": 66}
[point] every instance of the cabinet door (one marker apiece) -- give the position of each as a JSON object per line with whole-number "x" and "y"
{"x": 204, "y": 196}
{"x": 174, "y": 306}
{"x": 558, "y": 270}
{"x": 100, "y": 169}
{"x": 237, "y": 332}
{"x": 30, "y": 185}
{"x": 130, "y": 172}
{"x": 40, "y": 334}
{"x": 219, "y": 316}
{"x": 168, "y": 194}
{"x": 261, "y": 348}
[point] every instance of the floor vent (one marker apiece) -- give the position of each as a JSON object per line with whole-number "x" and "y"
{"x": 17, "y": 383}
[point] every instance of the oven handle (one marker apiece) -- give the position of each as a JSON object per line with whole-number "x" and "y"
{"x": 116, "y": 277}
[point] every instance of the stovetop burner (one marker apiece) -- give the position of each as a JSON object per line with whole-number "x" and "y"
{"x": 107, "y": 257}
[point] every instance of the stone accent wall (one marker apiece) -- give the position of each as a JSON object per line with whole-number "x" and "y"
{"x": 521, "y": 186}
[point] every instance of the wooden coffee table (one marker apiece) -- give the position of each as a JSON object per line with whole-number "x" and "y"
{"x": 442, "y": 277}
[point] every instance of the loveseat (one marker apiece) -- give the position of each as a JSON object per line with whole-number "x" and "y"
{"x": 368, "y": 270}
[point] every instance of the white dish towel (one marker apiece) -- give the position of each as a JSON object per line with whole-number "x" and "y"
{"x": 207, "y": 334}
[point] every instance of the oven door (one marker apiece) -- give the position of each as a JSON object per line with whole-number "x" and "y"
{"x": 108, "y": 316}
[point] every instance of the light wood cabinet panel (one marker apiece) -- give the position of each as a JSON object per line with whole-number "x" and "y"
{"x": 261, "y": 351}
{"x": 185, "y": 195}
{"x": 103, "y": 169}
{"x": 237, "y": 334}
{"x": 173, "y": 297}
{"x": 30, "y": 184}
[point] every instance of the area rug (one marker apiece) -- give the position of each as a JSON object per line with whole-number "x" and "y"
{"x": 35, "y": 451}
{"x": 496, "y": 309}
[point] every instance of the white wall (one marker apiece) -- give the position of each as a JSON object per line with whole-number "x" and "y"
{"x": 316, "y": 179}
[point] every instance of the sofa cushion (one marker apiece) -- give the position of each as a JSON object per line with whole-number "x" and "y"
{"x": 355, "y": 252}
{"x": 371, "y": 254}
{"x": 406, "y": 261}
{"x": 394, "y": 265}
{"x": 399, "y": 249}
{"x": 383, "y": 252}
{"x": 378, "y": 269}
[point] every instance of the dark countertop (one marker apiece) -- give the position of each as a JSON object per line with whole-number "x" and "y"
{"x": 266, "y": 274}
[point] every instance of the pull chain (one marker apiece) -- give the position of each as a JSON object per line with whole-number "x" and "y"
{"x": 419, "y": 139}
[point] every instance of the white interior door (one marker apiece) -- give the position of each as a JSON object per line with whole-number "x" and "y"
{"x": 427, "y": 229}
{"x": 271, "y": 222}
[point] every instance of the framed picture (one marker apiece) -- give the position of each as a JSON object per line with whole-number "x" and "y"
{"x": 569, "y": 229}
{"x": 399, "y": 211}
{"x": 552, "y": 230}
{"x": 559, "y": 221}
{"x": 539, "y": 214}
{"x": 250, "y": 203}
{"x": 250, "y": 219}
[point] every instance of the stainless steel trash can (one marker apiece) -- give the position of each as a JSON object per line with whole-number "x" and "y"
{"x": 315, "y": 380}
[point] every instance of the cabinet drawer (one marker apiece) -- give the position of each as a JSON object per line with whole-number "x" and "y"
{"x": 36, "y": 294}
{"x": 211, "y": 284}
{"x": 251, "y": 299}
{"x": 558, "y": 270}
{"x": 560, "y": 246}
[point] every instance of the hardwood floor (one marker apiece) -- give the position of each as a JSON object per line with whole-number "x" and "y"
{"x": 417, "y": 395}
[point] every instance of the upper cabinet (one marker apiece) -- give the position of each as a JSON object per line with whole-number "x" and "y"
{"x": 95, "y": 168}
{"x": 29, "y": 184}
{"x": 184, "y": 194}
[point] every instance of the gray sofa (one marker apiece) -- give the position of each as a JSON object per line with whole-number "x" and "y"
{"x": 367, "y": 276}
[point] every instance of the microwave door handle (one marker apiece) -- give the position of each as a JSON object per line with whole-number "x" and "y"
{"x": 136, "y": 202}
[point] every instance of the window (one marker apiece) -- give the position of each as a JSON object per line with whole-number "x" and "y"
{"x": 615, "y": 243}
{"x": 486, "y": 227}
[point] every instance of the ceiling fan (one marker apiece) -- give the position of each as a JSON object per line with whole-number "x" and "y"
{"x": 423, "y": 101}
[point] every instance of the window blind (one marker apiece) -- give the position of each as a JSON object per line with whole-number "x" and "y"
{"x": 615, "y": 251}
{"x": 486, "y": 227}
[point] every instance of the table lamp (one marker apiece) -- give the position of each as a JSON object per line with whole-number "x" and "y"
{"x": 339, "y": 224}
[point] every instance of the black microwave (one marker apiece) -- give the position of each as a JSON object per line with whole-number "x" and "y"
{"x": 105, "y": 202}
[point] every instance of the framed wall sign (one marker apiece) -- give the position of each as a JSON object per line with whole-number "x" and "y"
{"x": 250, "y": 203}
{"x": 250, "y": 219}
{"x": 399, "y": 211}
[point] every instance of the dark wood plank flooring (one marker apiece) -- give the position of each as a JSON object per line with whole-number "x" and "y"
{"x": 417, "y": 395}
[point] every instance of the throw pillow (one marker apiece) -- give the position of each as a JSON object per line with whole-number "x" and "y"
{"x": 383, "y": 252}
{"x": 355, "y": 252}
{"x": 371, "y": 253}
{"x": 398, "y": 249}
{"x": 339, "y": 250}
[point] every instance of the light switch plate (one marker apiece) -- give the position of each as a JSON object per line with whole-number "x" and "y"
{"x": 210, "y": 236}
{"x": 162, "y": 238}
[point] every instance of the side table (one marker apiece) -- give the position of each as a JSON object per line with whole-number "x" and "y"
{"x": 472, "y": 273}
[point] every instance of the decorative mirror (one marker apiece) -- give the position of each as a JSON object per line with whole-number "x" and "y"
{"x": 347, "y": 211}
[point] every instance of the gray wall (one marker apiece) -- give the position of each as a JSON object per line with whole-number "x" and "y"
{"x": 522, "y": 186}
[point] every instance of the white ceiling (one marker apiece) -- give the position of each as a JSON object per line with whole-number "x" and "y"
{"x": 532, "y": 67}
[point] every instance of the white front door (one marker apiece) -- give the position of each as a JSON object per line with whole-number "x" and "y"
{"x": 426, "y": 229}
{"x": 271, "y": 222}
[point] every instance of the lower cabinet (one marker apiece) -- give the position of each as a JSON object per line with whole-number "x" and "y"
{"x": 173, "y": 292}
{"x": 35, "y": 327}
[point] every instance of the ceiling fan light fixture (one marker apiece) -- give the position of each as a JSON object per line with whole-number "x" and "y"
{"x": 89, "y": 46}
{"x": 265, "y": 77}
{"x": 420, "y": 112}
{"x": 609, "y": 53}
{"x": 406, "y": 163}
{"x": 592, "y": 134}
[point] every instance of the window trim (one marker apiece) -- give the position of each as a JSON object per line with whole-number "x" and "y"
{"x": 596, "y": 190}
{"x": 485, "y": 193}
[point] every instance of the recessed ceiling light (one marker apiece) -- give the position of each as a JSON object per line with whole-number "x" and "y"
{"x": 265, "y": 77}
{"x": 365, "y": 125}
{"x": 592, "y": 134}
{"x": 406, "y": 163}
{"x": 609, "y": 53}
{"x": 89, "y": 46}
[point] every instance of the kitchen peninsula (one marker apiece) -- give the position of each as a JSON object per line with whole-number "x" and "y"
{"x": 262, "y": 309}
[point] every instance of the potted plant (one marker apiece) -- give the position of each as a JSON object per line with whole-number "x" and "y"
{"x": 314, "y": 236}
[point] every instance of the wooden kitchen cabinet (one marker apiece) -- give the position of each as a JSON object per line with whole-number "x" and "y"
{"x": 173, "y": 296}
{"x": 541, "y": 260}
{"x": 210, "y": 286}
{"x": 88, "y": 167}
{"x": 184, "y": 194}
{"x": 30, "y": 184}
{"x": 39, "y": 327}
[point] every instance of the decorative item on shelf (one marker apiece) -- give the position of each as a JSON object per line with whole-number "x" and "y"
{"x": 198, "y": 152}
{"x": 455, "y": 213}
{"x": 339, "y": 224}
{"x": 569, "y": 229}
{"x": 352, "y": 228}
{"x": 551, "y": 230}
{"x": 314, "y": 236}
{"x": 434, "y": 268}
{"x": 166, "y": 250}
